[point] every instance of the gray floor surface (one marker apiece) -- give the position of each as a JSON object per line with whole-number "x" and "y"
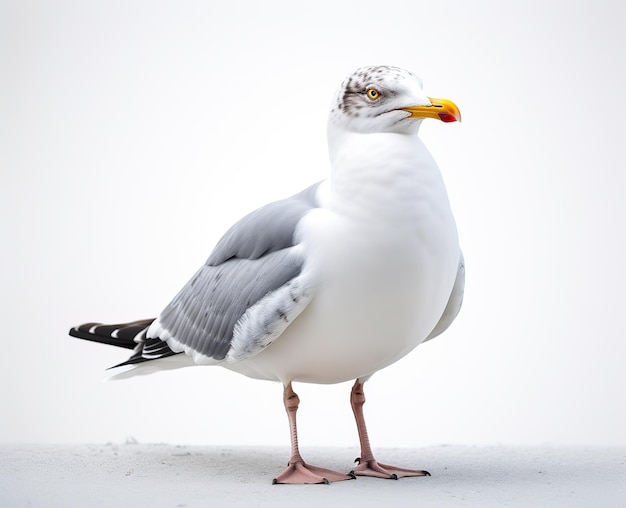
{"x": 161, "y": 475}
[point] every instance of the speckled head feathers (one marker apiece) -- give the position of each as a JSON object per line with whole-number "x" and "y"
{"x": 369, "y": 99}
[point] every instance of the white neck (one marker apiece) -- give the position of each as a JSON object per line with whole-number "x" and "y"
{"x": 384, "y": 177}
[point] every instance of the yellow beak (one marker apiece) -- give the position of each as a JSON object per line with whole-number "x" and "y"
{"x": 440, "y": 109}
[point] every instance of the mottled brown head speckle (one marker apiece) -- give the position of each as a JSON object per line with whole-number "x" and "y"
{"x": 373, "y": 99}
{"x": 352, "y": 98}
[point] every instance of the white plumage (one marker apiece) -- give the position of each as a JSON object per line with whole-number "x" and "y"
{"x": 336, "y": 282}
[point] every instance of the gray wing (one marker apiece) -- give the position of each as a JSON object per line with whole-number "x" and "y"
{"x": 256, "y": 260}
{"x": 265, "y": 230}
{"x": 454, "y": 303}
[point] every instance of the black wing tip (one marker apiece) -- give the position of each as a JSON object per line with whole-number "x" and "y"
{"x": 83, "y": 331}
{"x": 120, "y": 335}
{"x": 137, "y": 359}
{"x": 127, "y": 335}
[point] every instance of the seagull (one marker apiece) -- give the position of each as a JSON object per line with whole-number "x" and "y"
{"x": 333, "y": 283}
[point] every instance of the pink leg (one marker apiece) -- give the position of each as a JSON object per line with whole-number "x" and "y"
{"x": 297, "y": 470}
{"x": 368, "y": 465}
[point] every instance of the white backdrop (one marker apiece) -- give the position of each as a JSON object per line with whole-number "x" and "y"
{"x": 134, "y": 133}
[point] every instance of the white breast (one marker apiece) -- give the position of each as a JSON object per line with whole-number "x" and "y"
{"x": 384, "y": 253}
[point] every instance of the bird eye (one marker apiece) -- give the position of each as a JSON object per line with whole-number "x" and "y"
{"x": 372, "y": 94}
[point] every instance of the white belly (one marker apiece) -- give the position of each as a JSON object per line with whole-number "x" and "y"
{"x": 380, "y": 292}
{"x": 384, "y": 254}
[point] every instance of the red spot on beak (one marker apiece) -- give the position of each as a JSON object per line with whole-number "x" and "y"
{"x": 446, "y": 117}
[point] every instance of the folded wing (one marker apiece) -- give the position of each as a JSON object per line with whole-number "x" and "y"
{"x": 249, "y": 290}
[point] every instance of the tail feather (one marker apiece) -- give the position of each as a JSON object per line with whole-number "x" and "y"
{"x": 126, "y": 335}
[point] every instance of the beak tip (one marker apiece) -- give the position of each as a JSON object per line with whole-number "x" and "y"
{"x": 449, "y": 117}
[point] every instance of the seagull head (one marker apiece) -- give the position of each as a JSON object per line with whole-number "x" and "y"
{"x": 386, "y": 99}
